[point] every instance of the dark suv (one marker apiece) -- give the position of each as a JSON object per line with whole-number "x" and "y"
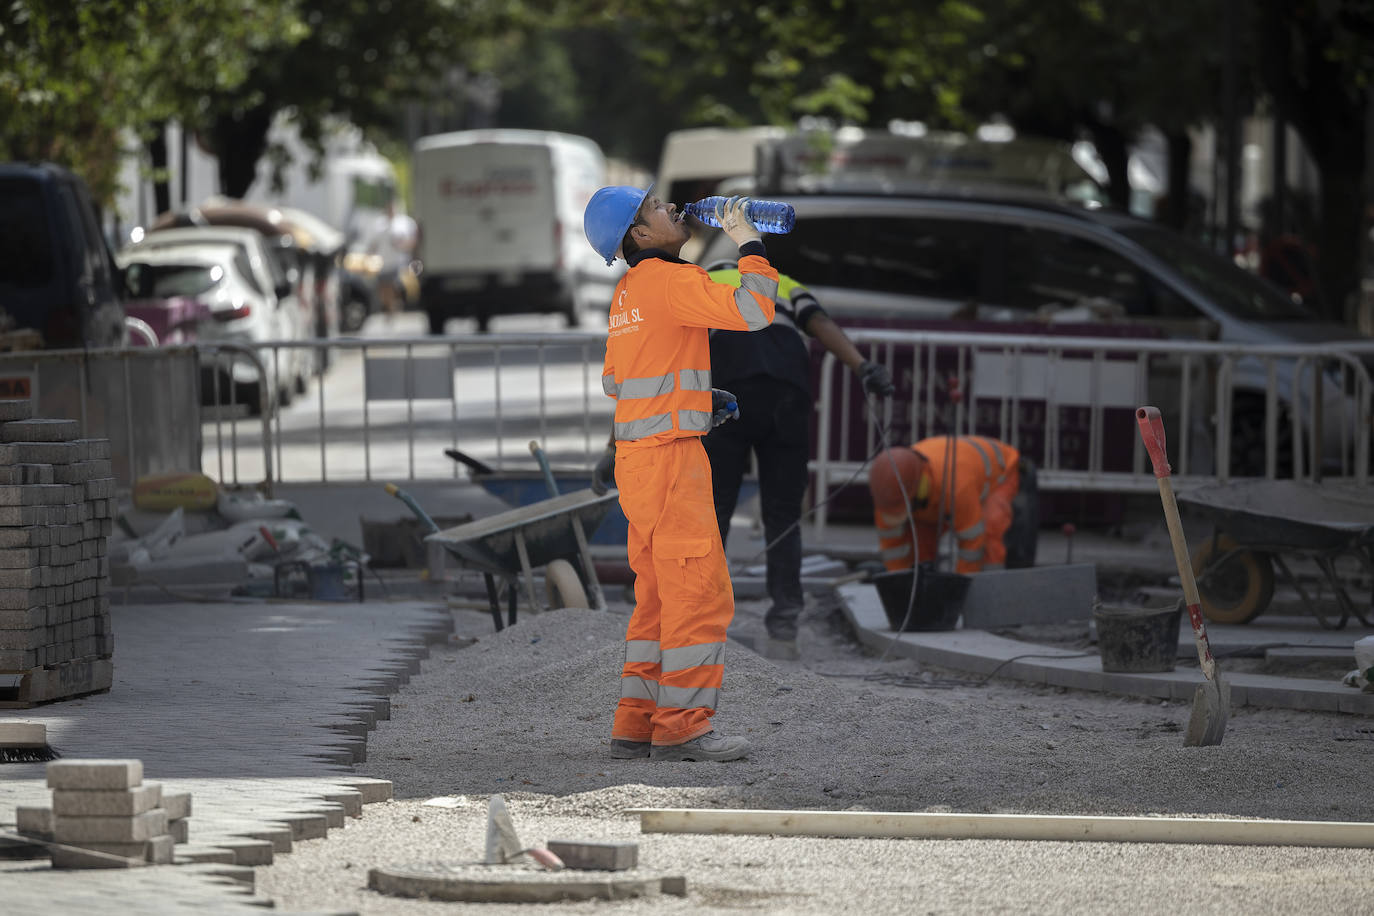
{"x": 56, "y": 273}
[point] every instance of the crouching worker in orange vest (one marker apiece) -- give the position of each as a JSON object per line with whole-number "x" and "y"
{"x": 658, "y": 369}
{"x": 974, "y": 495}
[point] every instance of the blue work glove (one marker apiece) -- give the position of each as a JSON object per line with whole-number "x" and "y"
{"x": 603, "y": 474}
{"x": 723, "y": 406}
{"x": 877, "y": 381}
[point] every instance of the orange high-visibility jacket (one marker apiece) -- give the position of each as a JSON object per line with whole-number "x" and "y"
{"x": 658, "y": 353}
{"x": 983, "y": 468}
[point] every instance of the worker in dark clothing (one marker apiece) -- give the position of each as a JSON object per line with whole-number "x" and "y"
{"x": 769, "y": 371}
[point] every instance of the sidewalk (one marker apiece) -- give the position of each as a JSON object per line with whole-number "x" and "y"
{"x": 257, "y": 709}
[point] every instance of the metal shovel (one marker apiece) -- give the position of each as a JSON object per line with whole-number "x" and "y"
{"x": 1212, "y": 702}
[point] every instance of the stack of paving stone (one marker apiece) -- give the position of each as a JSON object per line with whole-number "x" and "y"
{"x": 57, "y": 508}
{"x": 105, "y": 807}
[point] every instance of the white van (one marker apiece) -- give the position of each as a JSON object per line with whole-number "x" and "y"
{"x": 500, "y": 214}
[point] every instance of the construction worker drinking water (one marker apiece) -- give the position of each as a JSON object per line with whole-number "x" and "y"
{"x": 658, "y": 370}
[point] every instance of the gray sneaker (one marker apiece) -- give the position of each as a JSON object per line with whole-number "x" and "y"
{"x": 629, "y": 750}
{"x": 710, "y": 746}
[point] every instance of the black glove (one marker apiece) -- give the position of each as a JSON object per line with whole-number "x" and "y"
{"x": 724, "y": 406}
{"x": 603, "y": 474}
{"x": 876, "y": 379}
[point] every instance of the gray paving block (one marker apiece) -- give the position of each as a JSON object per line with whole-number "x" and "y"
{"x": 596, "y": 855}
{"x": 333, "y": 814}
{"x": 106, "y": 802}
{"x": 180, "y": 829}
{"x": 41, "y": 452}
{"x": 304, "y": 826}
{"x": 1040, "y": 594}
{"x": 39, "y": 430}
{"x": 72, "y": 857}
{"x": 14, "y": 640}
{"x": 159, "y": 849}
{"x": 31, "y": 820}
{"x": 351, "y": 800}
{"x": 176, "y": 804}
{"x": 246, "y": 850}
{"x": 132, "y": 829}
{"x": 18, "y": 659}
{"x": 372, "y": 790}
{"x": 27, "y": 473}
{"x": 19, "y": 557}
{"x": 24, "y": 537}
{"x": 21, "y": 599}
{"x": 95, "y": 774}
{"x": 197, "y": 853}
{"x": 130, "y": 850}
{"x": 15, "y": 409}
{"x": 279, "y": 835}
{"x": 94, "y": 449}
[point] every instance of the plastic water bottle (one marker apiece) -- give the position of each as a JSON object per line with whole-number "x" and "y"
{"x": 764, "y": 215}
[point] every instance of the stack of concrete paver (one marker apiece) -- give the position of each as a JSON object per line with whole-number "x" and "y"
{"x": 57, "y": 508}
{"x": 104, "y": 815}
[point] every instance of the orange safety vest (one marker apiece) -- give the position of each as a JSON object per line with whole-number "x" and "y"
{"x": 658, "y": 352}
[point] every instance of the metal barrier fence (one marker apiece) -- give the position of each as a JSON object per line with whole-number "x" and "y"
{"x": 388, "y": 409}
{"x": 1067, "y": 403}
{"x": 145, "y": 400}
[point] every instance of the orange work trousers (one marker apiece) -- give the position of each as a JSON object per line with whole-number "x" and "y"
{"x": 675, "y": 643}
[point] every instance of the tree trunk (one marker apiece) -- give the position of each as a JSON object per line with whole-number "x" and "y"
{"x": 157, "y": 155}
{"x": 1338, "y": 252}
{"x": 1174, "y": 214}
{"x": 1111, "y": 146}
{"x": 239, "y": 141}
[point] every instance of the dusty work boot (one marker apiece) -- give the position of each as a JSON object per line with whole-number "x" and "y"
{"x": 710, "y": 746}
{"x": 629, "y": 750}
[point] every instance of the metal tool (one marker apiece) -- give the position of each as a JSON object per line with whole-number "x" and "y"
{"x": 1212, "y": 701}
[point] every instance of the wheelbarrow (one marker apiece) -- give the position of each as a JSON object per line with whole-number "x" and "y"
{"x": 521, "y": 487}
{"x": 511, "y": 545}
{"x": 1257, "y": 523}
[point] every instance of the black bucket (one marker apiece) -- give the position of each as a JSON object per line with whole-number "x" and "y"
{"x": 938, "y": 599}
{"x": 1138, "y": 639}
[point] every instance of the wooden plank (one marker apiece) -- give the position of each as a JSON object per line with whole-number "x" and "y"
{"x": 917, "y": 825}
{"x": 70, "y": 679}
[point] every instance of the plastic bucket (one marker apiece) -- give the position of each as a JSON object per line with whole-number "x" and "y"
{"x": 1138, "y": 639}
{"x": 936, "y": 605}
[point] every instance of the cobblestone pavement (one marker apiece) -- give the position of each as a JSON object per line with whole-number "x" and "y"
{"x": 259, "y": 710}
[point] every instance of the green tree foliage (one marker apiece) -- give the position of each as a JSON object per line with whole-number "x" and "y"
{"x": 75, "y": 73}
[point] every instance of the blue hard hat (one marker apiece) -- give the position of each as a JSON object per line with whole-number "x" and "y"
{"x": 609, "y": 215}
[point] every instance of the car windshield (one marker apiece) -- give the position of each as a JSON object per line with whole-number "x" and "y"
{"x": 1242, "y": 294}
{"x": 163, "y": 281}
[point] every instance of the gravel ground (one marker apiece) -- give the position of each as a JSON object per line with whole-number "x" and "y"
{"x": 526, "y": 713}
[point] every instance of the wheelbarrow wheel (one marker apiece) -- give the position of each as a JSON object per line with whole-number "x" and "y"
{"x": 1234, "y": 585}
{"x": 565, "y": 588}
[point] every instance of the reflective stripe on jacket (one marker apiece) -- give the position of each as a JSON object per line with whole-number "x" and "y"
{"x": 658, "y": 358}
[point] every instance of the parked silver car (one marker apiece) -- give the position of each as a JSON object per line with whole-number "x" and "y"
{"x": 1012, "y": 258}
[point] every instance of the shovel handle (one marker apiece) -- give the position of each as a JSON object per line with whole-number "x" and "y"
{"x": 1152, "y": 434}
